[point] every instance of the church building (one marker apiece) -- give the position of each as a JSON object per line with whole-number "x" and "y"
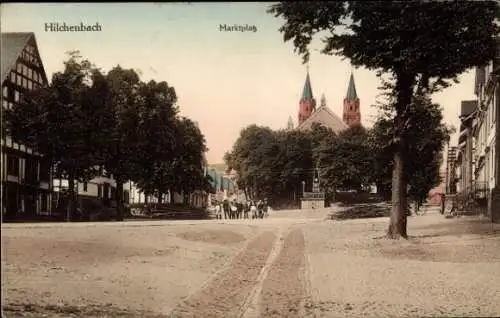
{"x": 310, "y": 114}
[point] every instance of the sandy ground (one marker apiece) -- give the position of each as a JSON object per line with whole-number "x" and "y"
{"x": 294, "y": 264}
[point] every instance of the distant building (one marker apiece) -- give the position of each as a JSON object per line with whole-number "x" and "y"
{"x": 25, "y": 174}
{"x": 223, "y": 185}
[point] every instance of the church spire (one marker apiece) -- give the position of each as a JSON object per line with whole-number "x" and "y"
{"x": 351, "y": 90}
{"x": 307, "y": 103}
{"x": 307, "y": 91}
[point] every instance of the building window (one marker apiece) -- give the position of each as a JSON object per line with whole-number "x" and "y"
{"x": 19, "y": 80}
{"x": 30, "y": 73}
{"x": 30, "y": 85}
{"x": 12, "y": 165}
{"x": 25, "y": 70}
{"x": 16, "y": 96}
{"x": 25, "y": 82}
{"x": 19, "y": 68}
{"x": 85, "y": 187}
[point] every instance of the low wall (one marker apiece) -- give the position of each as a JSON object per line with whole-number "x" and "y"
{"x": 312, "y": 203}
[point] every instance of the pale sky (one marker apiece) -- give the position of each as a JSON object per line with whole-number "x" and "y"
{"x": 224, "y": 80}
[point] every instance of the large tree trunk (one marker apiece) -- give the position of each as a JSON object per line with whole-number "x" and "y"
{"x": 72, "y": 200}
{"x": 397, "y": 225}
{"x": 398, "y": 219}
{"x": 120, "y": 210}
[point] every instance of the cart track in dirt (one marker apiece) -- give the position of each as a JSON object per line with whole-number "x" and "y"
{"x": 227, "y": 292}
{"x": 265, "y": 279}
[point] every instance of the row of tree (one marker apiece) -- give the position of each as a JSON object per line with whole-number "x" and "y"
{"x": 275, "y": 163}
{"x": 421, "y": 44}
{"x": 87, "y": 121}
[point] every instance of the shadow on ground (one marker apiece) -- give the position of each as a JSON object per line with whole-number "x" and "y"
{"x": 462, "y": 226}
{"x": 59, "y": 311}
{"x": 361, "y": 211}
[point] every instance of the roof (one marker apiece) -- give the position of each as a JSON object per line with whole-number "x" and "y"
{"x": 351, "y": 89}
{"x": 467, "y": 107}
{"x": 307, "y": 91}
{"x": 324, "y": 116}
{"x": 12, "y": 46}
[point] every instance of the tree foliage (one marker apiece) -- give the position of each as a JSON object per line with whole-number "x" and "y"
{"x": 422, "y": 44}
{"x": 428, "y": 135}
{"x": 155, "y": 147}
{"x": 86, "y": 120}
{"x": 346, "y": 161}
{"x": 274, "y": 164}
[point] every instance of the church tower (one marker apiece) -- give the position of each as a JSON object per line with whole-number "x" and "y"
{"x": 307, "y": 103}
{"x": 352, "y": 113}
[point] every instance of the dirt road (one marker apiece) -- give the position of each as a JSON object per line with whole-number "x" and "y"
{"x": 294, "y": 264}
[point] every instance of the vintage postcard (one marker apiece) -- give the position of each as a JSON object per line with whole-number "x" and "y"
{"x": 255, "y": 159}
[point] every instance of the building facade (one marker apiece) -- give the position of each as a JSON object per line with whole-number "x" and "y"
{"x": 25, "y": 174}
{"x": 478, "y": 157}
{"x": 486, "y": 138}
{"x": 102, "y": 187}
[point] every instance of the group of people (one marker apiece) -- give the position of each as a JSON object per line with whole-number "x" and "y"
{"x": 237, "y": 210}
